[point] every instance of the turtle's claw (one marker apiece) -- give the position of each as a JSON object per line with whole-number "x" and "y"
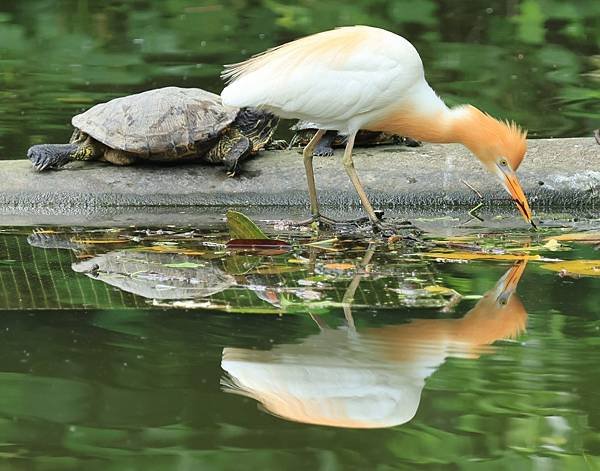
{"x": 44, "y": 156}
{"x": 323, "y": 151}
{"x": 409, "y": 142}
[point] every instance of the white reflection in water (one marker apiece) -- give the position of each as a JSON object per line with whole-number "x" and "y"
{"x": 373, "y": 378}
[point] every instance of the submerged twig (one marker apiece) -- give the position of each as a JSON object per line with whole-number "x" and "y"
{"x": 473, "y": 189}
{"x": 473, "y": 212}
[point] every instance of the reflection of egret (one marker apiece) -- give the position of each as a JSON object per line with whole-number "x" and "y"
{"x": 373, "y": 378}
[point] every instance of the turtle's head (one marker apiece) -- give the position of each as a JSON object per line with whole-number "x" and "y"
{"x": 256, "y": 125}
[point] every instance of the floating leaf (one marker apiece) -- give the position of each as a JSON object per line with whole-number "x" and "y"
{"x": 216, "y": 306}
{"x": 183, "y": 265}
{"x": 258, "y": 244}
{"x": 7, "y": 262}
{"x": 591, "y": 236}
{"x": 299, "y": 261}
{"x": 575, "y": 267}
{"x": 100, "y": 241}
{"x": 308, "y": 294}
{"x": 277, "y": 269}
{"x": 241, "y": 227}
{"x": 552, "y": 245}
{"x": 481, "y": 256}
{"x": 168, "y": 249}
{"x": 441, "y": 290}
{"x": 339, "y": 266}
{"x": 327, "y": 244}
{"x": 240, "y": 264}
{"x": 311, "y": 280}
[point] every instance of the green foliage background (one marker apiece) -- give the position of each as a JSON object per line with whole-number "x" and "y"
{"x": 535, "y": 61}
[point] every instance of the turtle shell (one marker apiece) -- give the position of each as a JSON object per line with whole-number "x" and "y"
{"x": 166, "y": 120}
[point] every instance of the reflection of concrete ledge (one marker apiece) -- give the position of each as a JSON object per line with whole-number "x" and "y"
{"x": 557, "y": 173}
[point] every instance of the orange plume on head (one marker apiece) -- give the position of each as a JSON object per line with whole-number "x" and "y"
{"x": 488, "y": 137}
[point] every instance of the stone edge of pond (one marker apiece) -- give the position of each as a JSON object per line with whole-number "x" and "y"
{"x": 557, "y": 173}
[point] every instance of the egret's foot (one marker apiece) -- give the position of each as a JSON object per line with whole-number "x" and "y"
{"x": 322, "y": 221}
{"x": 363, "y": 220}
{"x": 402, "y": 230}
{"x": 327, "y": 222}
{"x": 385, "y": 230}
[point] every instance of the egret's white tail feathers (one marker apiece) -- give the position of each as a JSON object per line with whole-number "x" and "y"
{"x": 327, "y": 46}
{"x": 231, "y": 72}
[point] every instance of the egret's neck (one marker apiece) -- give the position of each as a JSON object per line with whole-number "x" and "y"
{"x": 425, "y": 117}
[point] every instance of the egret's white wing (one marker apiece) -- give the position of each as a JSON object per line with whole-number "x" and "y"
{"x": 329, "y": 78}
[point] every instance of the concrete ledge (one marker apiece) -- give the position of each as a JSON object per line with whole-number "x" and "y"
{"x": 557, "y": 173}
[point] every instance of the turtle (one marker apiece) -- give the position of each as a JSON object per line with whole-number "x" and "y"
{"x": 305, "y": 131}
{"x": 162, "y": 125}
{"x": 156, "y": 275}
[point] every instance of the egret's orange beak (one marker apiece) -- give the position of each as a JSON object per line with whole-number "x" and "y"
{"x": 509, "y": 180}
{"x": 507, "y": 285}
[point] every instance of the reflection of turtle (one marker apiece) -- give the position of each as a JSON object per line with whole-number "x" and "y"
{"x": 305, "y": 131}
{"x": 162, "y": 125}
{"x": 156, "y": 275}
{"x": 153, "y": 275}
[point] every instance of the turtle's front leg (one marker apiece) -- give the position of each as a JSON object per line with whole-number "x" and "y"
{"x": 325, "y": 145}
{"x": 44, "y": 156}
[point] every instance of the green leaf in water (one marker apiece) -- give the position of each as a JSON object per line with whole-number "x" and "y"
{"x": 258, "y": 244}
{"x": 241, "y": 227}
{"x": 183, "y": 265}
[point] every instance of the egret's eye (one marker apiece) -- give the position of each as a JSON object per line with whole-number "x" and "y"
{"x": 503, "y": 162}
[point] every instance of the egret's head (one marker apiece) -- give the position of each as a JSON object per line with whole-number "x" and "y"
{"x": 500, "y": 146}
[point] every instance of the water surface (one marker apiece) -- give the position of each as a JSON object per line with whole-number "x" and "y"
{"x": 143, "y": 347}
{"x": 162, "y": 348}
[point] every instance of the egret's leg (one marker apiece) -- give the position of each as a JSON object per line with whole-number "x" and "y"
{"x": 348, "y": 298}
{"x": 351, "y": 171}
{"x": 307, "y": 153}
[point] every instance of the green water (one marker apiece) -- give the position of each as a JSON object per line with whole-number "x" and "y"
{"x": 162, "y": 348}
{"x": 532, "y": 61}
{"x": 339, "y": 354}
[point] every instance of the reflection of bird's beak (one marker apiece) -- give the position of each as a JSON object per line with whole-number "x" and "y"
{"x": 507, "y": 285}
{"x": 510, "y": 181}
